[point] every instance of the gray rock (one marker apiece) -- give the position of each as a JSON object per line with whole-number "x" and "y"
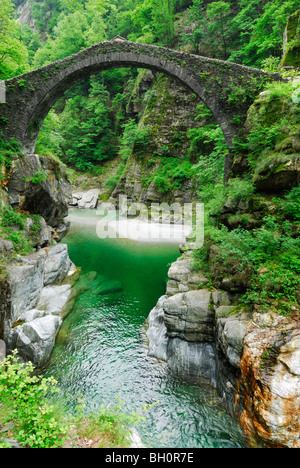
{"x": 225, "y": 311}
{"x": 230, "y": 333}
{"x": 57, "y": 265}
{"x": 37, "y": 300}
{"x": 189, "y": 316}
{"x": 26, "y": 282}
{"x": 38, "y": 338}
{"x": 32, "y": 314}
{"x": 157, "y": 331}
{"x": 6, "y": 246}
{"x": 44, "y": 236}
{"x": 86, "y": 200}
{"x": 54, "y": 298}
{"x": 2, "y": 350}
{"x": 48, "y": 198}
{"x": 62, "y": 230}
{"x": 183, "y": 278}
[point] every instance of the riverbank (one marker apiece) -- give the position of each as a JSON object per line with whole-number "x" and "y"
{"x": 252, "y": 359}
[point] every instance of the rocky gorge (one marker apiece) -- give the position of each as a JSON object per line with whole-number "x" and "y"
{"x": 252, "y": 359}
{"x": 201, "y": 326}
{"x": 36, "y": 287}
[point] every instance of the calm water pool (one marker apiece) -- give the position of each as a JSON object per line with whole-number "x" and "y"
{"x": 101, "y": 352}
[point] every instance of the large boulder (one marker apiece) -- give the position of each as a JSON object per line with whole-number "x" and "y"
{"x": 33, "y": 302}
{"x": 183, "y": 278}
{"x": 85, "y": 200}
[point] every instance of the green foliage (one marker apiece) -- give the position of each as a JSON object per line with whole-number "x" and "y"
{"x": 11, "y": 217}
{"x": 109, "y": 426}
{"x": 38, "y": 178}
{"x": 265, "y": 262}
{"x": 240, "y": 189}
{"x": 9, "y": 149}
{"x": 290, "y": 205}
{"x": 213, "y": 32}
{"x": 25, "y": 401}
{"x": 207, "y": 147}
{"x": 274, "y": 126}
{"x": 88, "y": 122}
{"x": 49, "y": 139}
{"x": 24, "y": 396}
{"x": 260, "y": 26}
{"x": 135, "y": 138}
{"x": 170, "y": 173}
{"x": 13, "y": 53}
{"x": 74, "y": 31}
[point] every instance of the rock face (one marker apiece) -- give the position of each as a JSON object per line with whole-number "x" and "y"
{"x": 2, "y": 350}
{"x": 253, "y": 360}
{"x": 188, "y": 326}
{"x": 33, "y": 303}
{"x": 270, "y": 378}
{"x": 40, "y": 186}
{"x": 160, "y": 104}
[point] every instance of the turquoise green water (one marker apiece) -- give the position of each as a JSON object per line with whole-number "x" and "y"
{"x": 101, "y": 350}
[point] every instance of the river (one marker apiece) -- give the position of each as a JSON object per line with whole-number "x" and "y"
{"x": 101, "y": 350}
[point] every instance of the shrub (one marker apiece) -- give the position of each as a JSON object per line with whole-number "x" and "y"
{"x": 240, "y": 189}
{"x": 25, "y": 401}
{"x": 291, "y": 203}
{"x": 11, "y": 217}
{"x": 24, "y": 397}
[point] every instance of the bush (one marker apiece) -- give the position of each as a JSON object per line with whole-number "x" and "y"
{"x": 24, "y": 397}
{"x": 11, "y": 217}
{"x": 9, "y": 149}
{"x": 240, "y": 189}
{"x": 291, "y": 204}
{"x": 25, "y": 401}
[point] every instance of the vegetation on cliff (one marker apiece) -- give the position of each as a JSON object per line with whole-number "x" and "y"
{"x": 252, "y": 226}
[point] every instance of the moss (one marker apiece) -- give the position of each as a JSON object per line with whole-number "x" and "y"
{"x": 291, "y": 55}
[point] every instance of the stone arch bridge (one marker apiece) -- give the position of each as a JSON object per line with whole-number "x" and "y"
{"x": 228, "y": 89}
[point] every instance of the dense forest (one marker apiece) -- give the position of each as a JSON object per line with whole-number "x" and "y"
{"x": 95, "y": 110}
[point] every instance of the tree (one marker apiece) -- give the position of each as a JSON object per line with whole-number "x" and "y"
{"x": 13, "y": 53}
{"x": 89, "y": 123}
{"x": 261, "y": 26}
{"x": 163, "y": 20}
{"x": 213, "y": 33}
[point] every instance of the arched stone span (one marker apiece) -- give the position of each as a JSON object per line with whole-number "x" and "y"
{"x": 227, "y": 89}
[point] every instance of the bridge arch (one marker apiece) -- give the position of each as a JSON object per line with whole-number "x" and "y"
{"x": 227, "y": 89}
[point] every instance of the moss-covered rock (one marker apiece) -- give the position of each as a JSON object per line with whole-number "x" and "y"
{"x": 291, "y": 55}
